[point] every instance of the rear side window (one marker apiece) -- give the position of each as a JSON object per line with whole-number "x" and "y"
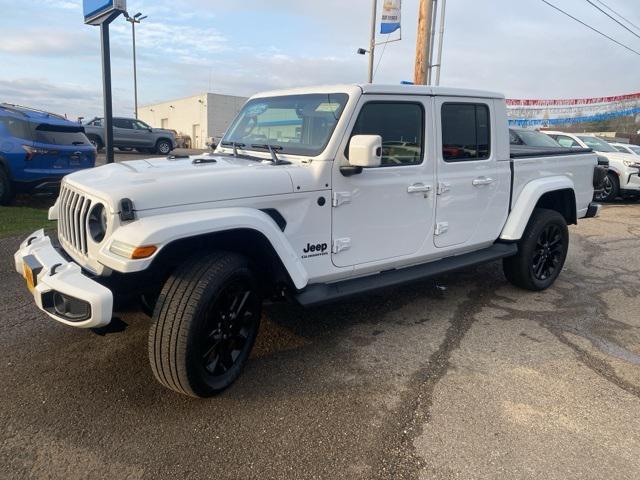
{"x": 401, "y": 126}
{"x": 465, "y": 132}
{"x": 16, "y": 128}
{"x": 59, "y": 135}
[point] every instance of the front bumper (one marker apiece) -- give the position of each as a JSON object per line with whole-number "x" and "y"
{"x": 59, "y": 285}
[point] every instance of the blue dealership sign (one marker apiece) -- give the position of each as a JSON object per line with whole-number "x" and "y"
{"x": 95, "y": 11}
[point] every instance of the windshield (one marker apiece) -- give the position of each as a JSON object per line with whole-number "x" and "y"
{"x": 596, "y": 144}
{"x": 533, "y": 139}
{"x": 300, "y": 124}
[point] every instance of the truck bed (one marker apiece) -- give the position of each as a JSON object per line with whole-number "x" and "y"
{"x": 523, "y": 151}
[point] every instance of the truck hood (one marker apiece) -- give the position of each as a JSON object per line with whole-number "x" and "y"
{"x": 161, "y": 183}
{"x": 162, "y": 130}
{"x": 616, "y": 157}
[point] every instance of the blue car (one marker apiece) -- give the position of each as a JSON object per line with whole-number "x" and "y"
{"x": 37, "y": 149}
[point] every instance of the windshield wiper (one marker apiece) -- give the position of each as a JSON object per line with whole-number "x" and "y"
{"x": 234, "y": 145}
{"x": 272, "y": 150}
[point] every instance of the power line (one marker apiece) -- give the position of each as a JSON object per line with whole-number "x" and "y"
{"x": 612, "y": 18}
{"x": 618, "y": 14}
{"x": 591, "y": 28}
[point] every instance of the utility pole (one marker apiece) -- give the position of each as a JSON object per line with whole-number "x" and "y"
{"x": 443, "y": 8}
{"x": 423, "y": 44}
{"x": 432, "y": 41}
{"x": 372, "y": 42}
{"x": 137, "y": 18}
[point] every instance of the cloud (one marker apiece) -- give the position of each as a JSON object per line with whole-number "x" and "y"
{"x": 63, "y": 98}
{"x": 32, "y": 41}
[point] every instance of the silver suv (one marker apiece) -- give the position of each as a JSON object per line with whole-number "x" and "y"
{"x": 129, "y": 133}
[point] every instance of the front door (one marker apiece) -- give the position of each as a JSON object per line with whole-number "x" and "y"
{"x": 385, "y": 212}
{"x": 474, "y": 177}
{"x": 123, "y": 133}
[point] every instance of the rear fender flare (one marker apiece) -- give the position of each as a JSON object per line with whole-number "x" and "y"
{"x": 526, "y": 202}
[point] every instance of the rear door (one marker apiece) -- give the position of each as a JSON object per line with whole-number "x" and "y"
{"x": 385, "y": 212}
{"x": 473, "y": 182}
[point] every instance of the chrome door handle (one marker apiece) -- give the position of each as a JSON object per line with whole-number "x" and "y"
{"x": 418, "y": 188}
{"x": 481, "y": 181}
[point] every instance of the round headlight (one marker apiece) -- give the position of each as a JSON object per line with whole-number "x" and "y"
{"x": 98, "y": 223}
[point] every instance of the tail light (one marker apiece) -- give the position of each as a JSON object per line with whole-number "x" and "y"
{"x": 33, "y": 151}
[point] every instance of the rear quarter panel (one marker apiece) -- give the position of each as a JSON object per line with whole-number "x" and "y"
{"x": 578, "y": 168}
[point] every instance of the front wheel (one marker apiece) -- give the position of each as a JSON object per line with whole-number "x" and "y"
{"x": 206, "y": 321}
{"x": 610, "y": 188}
{"x": 163, "y": 147}
{"x": 541, "y": 252}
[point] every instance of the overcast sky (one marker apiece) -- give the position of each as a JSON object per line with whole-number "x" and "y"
{"x": 50, "y": 59}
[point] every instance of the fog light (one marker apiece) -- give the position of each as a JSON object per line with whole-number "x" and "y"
{"x": 69, "y": 308}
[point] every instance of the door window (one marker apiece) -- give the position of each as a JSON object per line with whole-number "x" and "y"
{"x": 401, "y": 126}
{"x": 465, "y": 132}
{"x": 122, "y": 123}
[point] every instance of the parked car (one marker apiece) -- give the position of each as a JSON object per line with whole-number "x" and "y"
{"x": 129, "y": 133}
{"x": 359, "y": 201}
{"x": 627, "y": 148}
{"x": 531, "y": 138}
{"x": 37, "y": 149}
{"x": 623, "y": 176}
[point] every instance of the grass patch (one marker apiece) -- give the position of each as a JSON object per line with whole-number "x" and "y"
{"x": 22, "y": 220}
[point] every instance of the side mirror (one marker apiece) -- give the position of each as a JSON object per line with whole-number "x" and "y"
{"x": 365, "y": 151}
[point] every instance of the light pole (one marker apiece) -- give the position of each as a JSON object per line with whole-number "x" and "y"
{"x": 137, "y": 18}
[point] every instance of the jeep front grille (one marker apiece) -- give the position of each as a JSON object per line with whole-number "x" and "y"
{"x": 72, "y": 219}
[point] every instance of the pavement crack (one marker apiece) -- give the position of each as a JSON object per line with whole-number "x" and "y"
{"x": 414, "y": 413}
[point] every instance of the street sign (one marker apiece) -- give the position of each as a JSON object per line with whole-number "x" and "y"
{"x": 98, "y": 11}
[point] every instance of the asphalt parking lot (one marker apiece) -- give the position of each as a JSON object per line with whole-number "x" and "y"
{"x": 481, "y": 381}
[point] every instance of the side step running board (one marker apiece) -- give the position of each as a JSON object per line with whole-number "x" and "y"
{"x": 325, "y": 293}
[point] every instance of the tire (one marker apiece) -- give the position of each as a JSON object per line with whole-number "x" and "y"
{"x": 542, "y": 252}
{"x": 125, "y": 149}
{"x": 610, "y": 190}
{"x": 6, "y": 189}
{"x": 196, "y": 345}
{"x": 163, "y": 147}
{"x": 96, "y": 142}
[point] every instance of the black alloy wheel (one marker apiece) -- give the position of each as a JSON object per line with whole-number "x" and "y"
{"x": 542, "y": 251}
{"x": 206, "y": 320}
{"x": 229, "y": 326}
{"x": 549, "y": 253}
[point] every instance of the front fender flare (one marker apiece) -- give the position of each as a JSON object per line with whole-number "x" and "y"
{"x": 161, "y": 230}
{"x": 526, "y": 202}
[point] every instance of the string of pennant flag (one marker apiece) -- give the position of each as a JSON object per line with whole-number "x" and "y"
{"x": 542, "y": 113}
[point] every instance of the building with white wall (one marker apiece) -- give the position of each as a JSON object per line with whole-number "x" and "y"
{"x": 199, "y": 117}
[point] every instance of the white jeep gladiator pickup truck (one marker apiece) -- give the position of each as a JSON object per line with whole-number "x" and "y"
{"x": 314, "y": 194}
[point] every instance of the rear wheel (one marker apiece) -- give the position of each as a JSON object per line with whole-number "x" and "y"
{"x": 206, "y": 321}
{"x": 610, "y": 188}
{"x": 541, "y": 252}
{"x": 6, "y": 190}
